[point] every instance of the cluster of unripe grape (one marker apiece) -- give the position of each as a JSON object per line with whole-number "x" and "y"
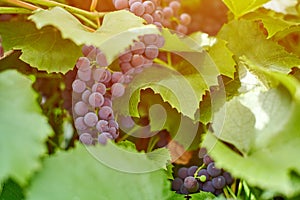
{"x": 153, "y": 12}
{"x": 206, "y": 178}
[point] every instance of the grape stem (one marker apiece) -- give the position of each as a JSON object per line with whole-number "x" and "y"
{"x": 14, "y": 10}
{"x": 161, "y": 62}
{"x": 49, "y": 3}
{"x": 152, "y": 143}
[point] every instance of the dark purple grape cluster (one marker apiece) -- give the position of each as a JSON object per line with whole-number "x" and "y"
{"x": 141, "y": 53}
{"x": 1, "y": 48}
{"x": 206, "y": 178}
{"x": 153, "y": 12}
{"x": 93, "y": 90}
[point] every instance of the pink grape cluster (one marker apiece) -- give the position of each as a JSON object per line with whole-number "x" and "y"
{"x": 141, "y": 54}
{"x": 153, "y": 12}
{"x": 93, "y": 90}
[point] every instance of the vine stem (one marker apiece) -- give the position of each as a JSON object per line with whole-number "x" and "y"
{"x": 14, "y": 10}
{"x": 49, "y": 3}
{"x": 22, "y": 4}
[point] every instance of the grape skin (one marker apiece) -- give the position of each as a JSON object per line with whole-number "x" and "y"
{"x": 80, "y": 108}
{"x": 96, "y": 99}
{"x": 192, "y": 170}
{"x": 101, "y": 59}
{"x": 103, "y": 137}
{"x": 138, "y": 48}
{"x": 106, "y": 113}
{"x": 90, "y": 119}
{"x": 212, "y": 170}
{"x": 84, "y": 75}
{"x": 101, "y": 75}
{"x": 177, "y": 183}
{"x": 137, "y": 8}
{"x": 99, "y": 87}
{"x": 151, "y": 51}
{"x": 85, "y": 96}
{"x": 137, "y": 60}
{"x": 219, "y": 182}
{"x": 102, "y": 126}
{"x": 78, "y": 86}
{"x": 191, "y": 184}
{"x": 149, "y": 7}
{"x": 86, "y": 138}
{"x": 79, "y": 124}
{"x": 121, "y": 4}
{"x": 208, "y": 187}
{"x": 182, "y": 172}
{"x": 83, "y": 64}
{"x": 117, "y": 90}
{"x": 185, "y": 19}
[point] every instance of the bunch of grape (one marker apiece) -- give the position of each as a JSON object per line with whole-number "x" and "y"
{"x": 153, "y": 12}
{"x": 206, "y": 178}
{"x": 141, "y": 54}
{"x": 1, "y": 48}
{"x": 93, "y": 90}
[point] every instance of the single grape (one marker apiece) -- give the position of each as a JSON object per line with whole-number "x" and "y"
{"x": 203, "y": 175}
{"x": 137, "y": 60}
{"x": 83, "y": 64}
{"x": 101, "y": 75}
{"x": 116, "y": 76}
{"x": 219, "y": 182}
{"x": 125, "y": 57}
{"x": 192, "y": 170}
{"x": 117, "y": 90}
{"x": 160, "y": 42}
{"x": 202, "y": 153}
{"x": 84, "y": 75}
{"x": 149, "y": 7}
{"x": 114, "y": 132}
{"x": 102, "y": 126}
{"x": 212, "y": 170}
{"x": 183, "y": 190}
{"x": 228, "y": 178}
{"x": 85, "y": 96}
{"x": 151, "y": 51}
{"x": 78, "y": 86}
{"x": 150, "y": 39}
{"x": 138, "y": 48}
{"x": 158, "y": 25}
{"x": 86, "y": 138}
{"x": 101, "y": 59}
{"x": 183, "y": 172}
{"x": 106, "y": 113}
{"x": 121, "y": 4}
{"x": 177, "y": 183}
{"x": 99, "y": 87}
{"x": 93, "y": 53}
{"x": 137, "y": 8}
{"x": 107, "y": 102}
{"x": 148, "y": 18}
{"x": 113, "y": 123}
{"x": 182, "y": 29}
{"x": 103, "y": 137}
{"x": 168, "y": 12}
{"x": 185, "y": 19}
{"x": 158, "y": 16}
{"x": 175, "y": 5}
{"x": 96, "y": 99}
{"x": 79, "y": 124}
{"x": 86, "y": 49}
{"x": 208, "y": 187}
{"x": 125, "y": 67}
{"x": 207, "y": 159}
{"x": 90, "y": 119}
{"x": 191, "y": 184}
{"x": 80, "y": 108}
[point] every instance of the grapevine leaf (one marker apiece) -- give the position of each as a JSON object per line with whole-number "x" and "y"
{"x": 59, "y": 179}
{"x": 223, "y": 58}
{"x": 239, "y": 8}
{"x": 272, "y": 21}
{"x": 109, "y": 37}
{"x": 234, "y": 123}
{"x": 23, "y": 128}
{"x": 43, "y": 49}
{"x": 250, "y": 42}
{"x": 174, "y": 88}
{"x": 12, "y": 191}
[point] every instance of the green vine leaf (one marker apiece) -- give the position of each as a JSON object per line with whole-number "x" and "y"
{"x": 96, "y": 179}
{"x": 109, "y": 37}
{"x": 250, "y": 42}
{"x": 239, "y": 8}
{"x": 43, "y": 49}
{"x": 23, "y": 128}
